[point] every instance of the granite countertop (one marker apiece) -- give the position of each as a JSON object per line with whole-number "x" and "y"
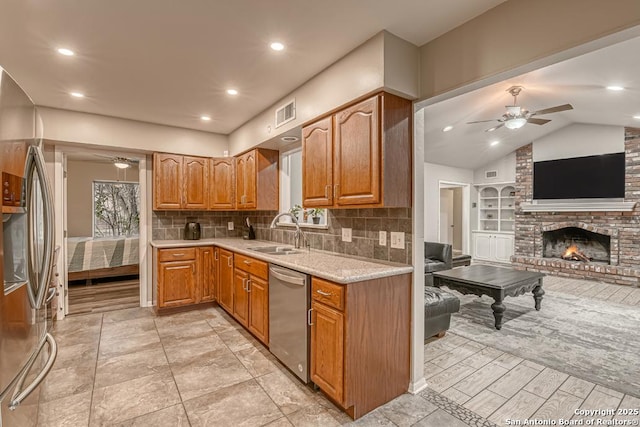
{"x": 337, "y": 268}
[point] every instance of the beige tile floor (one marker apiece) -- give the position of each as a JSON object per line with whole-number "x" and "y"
{"x": 200, "y": 368}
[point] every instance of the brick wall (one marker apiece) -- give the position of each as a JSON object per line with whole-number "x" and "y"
{"x": 365, "y": 225}
{"x": 623, "y": 227}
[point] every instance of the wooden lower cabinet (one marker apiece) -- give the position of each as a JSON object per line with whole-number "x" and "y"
{"x": 259, "y": 308}
{"x": 327, "y": 350}
{"x": 185, "y": 276}
{"x": 251, "y": 295}
{"x": 225, "y": 279}
{"x": 241, "y": 297}
{"x": 360, "y": 341}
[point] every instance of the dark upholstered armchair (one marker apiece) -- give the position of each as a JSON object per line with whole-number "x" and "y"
{"x": 437, "y": 257}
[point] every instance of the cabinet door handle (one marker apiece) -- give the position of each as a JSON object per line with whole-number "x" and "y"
{"x": 180, "y": 254}
{"x": 325, "y": 294}
{"x": 249, "y": 285}
{"x": 246, "y": 261}
{"x": 244, "y": 284}
{"x": 215, "y": 255}
{"x": 326, "y": 191}
{"x": 229, "y": 262}
{"x": 193, "y": 268}
{"x": 309, "y": 317}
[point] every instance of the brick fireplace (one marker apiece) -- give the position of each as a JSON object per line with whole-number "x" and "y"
{"x": 609, "y": 239}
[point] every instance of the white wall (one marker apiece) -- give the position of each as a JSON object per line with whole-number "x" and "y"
{"x": 401, "y": 67}
{"x": 97, "y": 130}
{"x": 579, "y": 140}
{"x": 433, "y": 174}
{"x": 505, "y": 166}
{"x": 80, "y": 177}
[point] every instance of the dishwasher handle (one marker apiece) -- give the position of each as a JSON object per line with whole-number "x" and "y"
{"x": 281, "y": 275}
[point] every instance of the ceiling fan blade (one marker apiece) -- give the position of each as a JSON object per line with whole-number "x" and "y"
{"x": 555, "y": 109}
{"x": 494, "y": 128}
{"x": 483, "y": 121}
{"x": 538, "y": 121}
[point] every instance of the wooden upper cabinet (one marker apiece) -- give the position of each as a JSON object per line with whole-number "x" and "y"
{"x": 14, "y": 156}
{"x": 357, "y": 154}
{"x": 196, "y": 182}
{"x": 257, "y": 185}
{"x": 167, "y": 181}
{"x": 317, "y": 157}
{"x": 363, "y": 152}
{"x": 222, "y": 181}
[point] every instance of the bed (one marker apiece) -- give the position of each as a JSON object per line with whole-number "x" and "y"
{"x": 94, "y": 258}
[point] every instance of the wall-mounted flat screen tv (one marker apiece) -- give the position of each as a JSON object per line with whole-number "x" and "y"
{"x": 590, "y": 177}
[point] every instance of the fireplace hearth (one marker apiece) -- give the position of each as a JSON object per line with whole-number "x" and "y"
{"x": 576, "y": 244}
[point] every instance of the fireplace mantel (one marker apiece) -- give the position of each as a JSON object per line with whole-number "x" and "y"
{"x": 585, "y": 206}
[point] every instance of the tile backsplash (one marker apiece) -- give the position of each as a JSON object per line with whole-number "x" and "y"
{"x": 365, "y": 225}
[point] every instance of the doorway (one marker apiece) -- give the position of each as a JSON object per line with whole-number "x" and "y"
{"x": 454, "y": 216}
{"x": 103, "y": 204}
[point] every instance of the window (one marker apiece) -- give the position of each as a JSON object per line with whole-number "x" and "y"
{"x": 291, "y": 192}
{"x": 116, "y": 209}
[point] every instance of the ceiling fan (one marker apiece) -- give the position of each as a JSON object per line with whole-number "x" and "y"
{"x": 515, "y": 117}
{"x": 118, "y": 161}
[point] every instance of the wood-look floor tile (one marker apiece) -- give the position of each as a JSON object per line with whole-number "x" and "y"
{"x": 130, "y": 366}
{"x": 449, "y": 377}
{"x": 609, "y": 391}
{"x": 285, "y": 392}
{"x": 483, "y": 357}
{"x": 123, "y": 401}
{"x": 546, "y": 383}
{"x": 533, "y": 365}
{"x": 513, "y": 381}
{"x": 633, "y": 298}
{"x": 628, "y": 406}
{"x": 480, "y": 379}
{"x": 599, "y": 400}
{"x": 508, "y": 361}
{"x": 430, "y": 370}
{"x": 578, "y": 387}
{"x": 561, "y": 405}
{"x": 173, "y": 416}
{"x": 72, "y": 411}
{"x": 620, "y": 294}
{"x": 456, "y": 395}
{"x": 457, "y": 355}
{"x": 485, "y": 403}
{"x": 244, "y": 404}
{"x": 209, "y": 372}
{"x": 521, "y": 406}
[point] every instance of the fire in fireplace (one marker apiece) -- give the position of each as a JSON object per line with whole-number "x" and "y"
{"x": 576, "y": 244}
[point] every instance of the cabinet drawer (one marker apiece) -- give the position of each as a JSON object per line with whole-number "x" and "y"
{"x": 176, "y": 254}
{"x": 327, "y": 293}
{"x": 252, "y": 266}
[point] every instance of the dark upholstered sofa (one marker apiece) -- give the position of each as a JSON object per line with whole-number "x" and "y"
{"x": 438, "y": 304}
{"x": 437, "y": 257}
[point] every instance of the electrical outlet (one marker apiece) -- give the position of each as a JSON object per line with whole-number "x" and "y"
{"x": 346, "y": 234}
{"x": 230, "y": 225}
{"x": 382, "y": 238}
{"x": 397, "y": 240}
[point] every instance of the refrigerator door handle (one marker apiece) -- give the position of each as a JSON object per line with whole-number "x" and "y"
{"x": 35, "y": 165}
{"x": 20, "y": 394}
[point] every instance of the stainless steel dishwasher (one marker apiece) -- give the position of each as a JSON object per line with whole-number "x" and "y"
{"x": 288, "y": 327}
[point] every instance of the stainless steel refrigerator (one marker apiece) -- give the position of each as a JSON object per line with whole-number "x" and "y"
{"x": 27, "y": 349}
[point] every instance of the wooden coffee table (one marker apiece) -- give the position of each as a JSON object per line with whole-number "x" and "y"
{"x": 496, "y": 282}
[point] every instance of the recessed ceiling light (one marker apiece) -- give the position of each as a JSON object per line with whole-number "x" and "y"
{"x": 494, "y": 143}
{"x": 637, "y": 117}
{"x": 447, "y": 128}
{"x": 277, "y": 46}
{"x": 66, "y": 52}
{"x": 205, "y": 118}
{"x": 289, "y": 138}
{"x": 77, "y": 94}
{"x": 615, "y": 88}
{"x": 232, "y": 91}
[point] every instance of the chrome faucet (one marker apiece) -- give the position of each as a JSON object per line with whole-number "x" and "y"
{"x": 299, "y": 233}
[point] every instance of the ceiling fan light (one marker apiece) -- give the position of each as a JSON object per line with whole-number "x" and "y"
{"x": 121, "y": 164}
{"x": 513, "y": 110}
{"x": 515, "y": 123}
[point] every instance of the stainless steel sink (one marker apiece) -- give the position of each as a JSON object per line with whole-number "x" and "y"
{"x": 277, "y": 250}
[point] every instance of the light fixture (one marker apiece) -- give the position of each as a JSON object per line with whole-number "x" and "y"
{"x": 277, "y": 46}
{"x": 494, "y": 143}
{"x": 447, "y": 128}
{"x": 205, "y": 118}
{"x": 637, "y": 117}
{"x": 615, "y": 88}
{"x": 77, "y": 94}
{"x": 289, "y": 138}
{"x": 515, "y": 123}
{"x": 232, "y": 91}
{"x": 66, "y": 52}
{"x": 121, "y": 163}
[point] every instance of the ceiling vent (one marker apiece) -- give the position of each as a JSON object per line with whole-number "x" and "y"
{"x": 286, "y": 113}
{"x": 490, "y": 174}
